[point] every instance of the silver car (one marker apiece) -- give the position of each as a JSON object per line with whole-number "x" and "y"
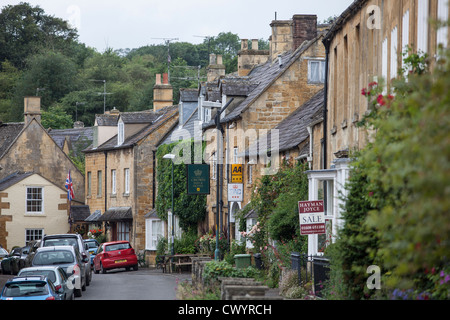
{"x": 74, "y": 240}
{"x": 68, "y": 258}
{"x": 64, "y": 285}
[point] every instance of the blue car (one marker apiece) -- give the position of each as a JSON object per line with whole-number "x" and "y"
{"x": 29, "y": 288}
{"x": 93, "y": 247}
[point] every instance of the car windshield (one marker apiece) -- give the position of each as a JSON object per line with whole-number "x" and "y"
{"x": 51, "y": 242}
{"x": 117, "y": 246}
{"x": 21, "y": 289}
{"x": 49, "y": 273}
{"x": 91, "y": 244}
{"x": 53, "y": 258}
{"x": 3, "y": 251}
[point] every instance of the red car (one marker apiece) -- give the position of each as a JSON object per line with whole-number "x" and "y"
{"x": 113, "y": 255}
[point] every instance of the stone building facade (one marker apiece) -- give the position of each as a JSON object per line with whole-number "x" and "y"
{"x": 120, "y": 173}
{"x": 365, "y": 44}
{"x": 264, "y": 95}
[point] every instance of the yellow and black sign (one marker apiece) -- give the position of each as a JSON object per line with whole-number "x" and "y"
{"x": 236, "y": 173}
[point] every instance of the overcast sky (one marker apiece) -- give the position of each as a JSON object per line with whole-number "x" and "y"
{"x": 121, "y": 24}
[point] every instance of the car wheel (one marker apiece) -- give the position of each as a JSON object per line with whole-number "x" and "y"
{"x": 88, "y": 279}
{"x": 102, "y": 269}
{"x": 135, "y": 268}
{"x": 77, "y": 293}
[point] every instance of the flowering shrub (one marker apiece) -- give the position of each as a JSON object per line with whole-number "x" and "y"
{"x": 95, "y": 233}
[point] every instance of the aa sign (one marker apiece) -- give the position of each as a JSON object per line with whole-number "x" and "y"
{"x": 312, "y": 217}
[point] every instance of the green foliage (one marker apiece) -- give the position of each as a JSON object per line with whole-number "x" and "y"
{"x": 349, "y": 255}
{"x": 186, "y": 244}
{"x": 215, "y": 269}
{"x": 42, "y": 51}
{"x": 189, "y": 208}
{"x": 56, "y": 118}
{"x": 398, "y": 202}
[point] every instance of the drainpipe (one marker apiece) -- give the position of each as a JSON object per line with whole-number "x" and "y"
{"x": 106, "y": 180}
{"x": 326, "y": 43}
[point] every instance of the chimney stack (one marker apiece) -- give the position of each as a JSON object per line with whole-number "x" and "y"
{"x": 288, "y": 35}
{"x": 249, "y": 58}
{"x": 216, "y": 69}
{"x": 162, "y": 93}
{"x": 32, "y": 109}
{"x": 304, "y": 28}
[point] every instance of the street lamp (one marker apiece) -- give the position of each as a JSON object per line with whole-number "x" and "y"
{"x": 219, "y": 203}
{"x": 172, "y": 157}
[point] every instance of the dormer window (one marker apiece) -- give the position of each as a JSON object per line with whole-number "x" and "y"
{"x": 121, "y": 132}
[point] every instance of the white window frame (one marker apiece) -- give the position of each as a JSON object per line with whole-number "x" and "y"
{"x": 120, "y": 133}
{"x": 321, "y": 63}
{"x": 442, "y": 15}
{"x": 235, "y": 155}
{"x": 113, "y": 181}
{"x": 384, "y": 60}
{"x": 41, "y": 201}
{"x": 405, "y": 38}
{"x": 394, "y": 52}
{"x": 33, "y": 234}
{"x": 154, "y": 231}
{"x": 422, "y": 26}
{"x": 126, "y": 173}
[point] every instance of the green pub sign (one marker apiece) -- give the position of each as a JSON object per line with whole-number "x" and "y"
{"x": 197, "y": 179}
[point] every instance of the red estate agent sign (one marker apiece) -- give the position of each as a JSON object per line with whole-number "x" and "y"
{"x": 312, "y": 217}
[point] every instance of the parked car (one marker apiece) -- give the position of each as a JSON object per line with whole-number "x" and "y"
{"x": 3, "y": 253}
{"x": 15, "y": 260}
{"x": 64, "y": 285}
{"x": 29, "y": 288}
{"x": 33, "y": 245}
{"x": 68, "y": 258}
{"x": 113, "y": 255}
{"x": 93, "y": 247}
{"x": 74, "y": 240}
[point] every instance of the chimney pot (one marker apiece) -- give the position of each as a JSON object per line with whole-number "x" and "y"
{"x": 254, "y": 44}
{"x": 32, "y": 109}
{"x": 158, "y": 78}
{"x": 244, "y": 44}
{"x": 165, "y": 78}
{"x": 212, "y": 59}
{"x": 219, "y": 59}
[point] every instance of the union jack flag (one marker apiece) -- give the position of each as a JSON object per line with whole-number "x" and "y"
{"x": 69, "y": 187}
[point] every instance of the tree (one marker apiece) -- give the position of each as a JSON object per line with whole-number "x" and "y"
{"x": 53, "y": 73}
{"x": 24, "y": 30}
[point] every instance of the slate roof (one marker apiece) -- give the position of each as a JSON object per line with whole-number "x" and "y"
{"x": 262, "y": 76}
{"x": 117, "y": 214}
{"x": 139, "y": 116}
{"x": 188, "y": 95}
{"x": 79, "y": 138}
{"x": 158, "y": 117}
{"x": 94, "y": 216}
{"x": 13, "y": 178}
{"x": 8, "y": 134}
{"x": 107, "y": 120}
{"x": 79, "y": 213}
{"x": 293, "y": 130}
{"x": 255, "y": 83}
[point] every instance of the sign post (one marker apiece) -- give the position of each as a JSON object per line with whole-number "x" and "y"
{"x": 312, "y": 217}
{"x": 235, "y": 192}
{"x": 236, "y": 173}
{"x": 197, "y": 179}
